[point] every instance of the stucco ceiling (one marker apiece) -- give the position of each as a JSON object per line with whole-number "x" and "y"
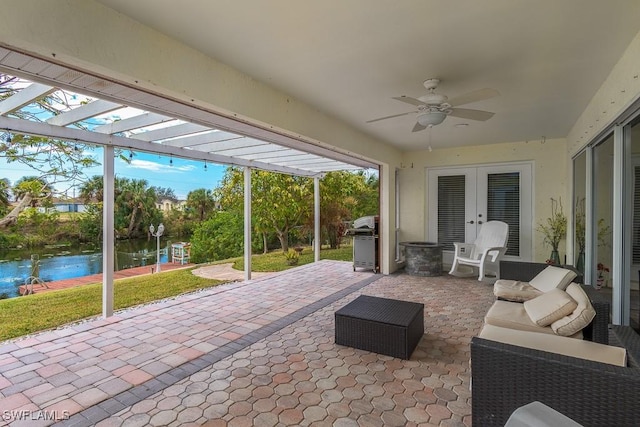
{"x": 547, "y": 58}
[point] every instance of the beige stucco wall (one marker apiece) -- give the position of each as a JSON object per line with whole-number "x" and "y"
{"x": 86, "y": 35}
{"x": 548, "y": 157}
{"x": 619, "y": 91}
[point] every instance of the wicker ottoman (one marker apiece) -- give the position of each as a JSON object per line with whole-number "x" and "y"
{"x": 380, "y": 325}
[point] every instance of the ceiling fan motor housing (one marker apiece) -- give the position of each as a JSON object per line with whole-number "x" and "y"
{"x": 433, "y": 99}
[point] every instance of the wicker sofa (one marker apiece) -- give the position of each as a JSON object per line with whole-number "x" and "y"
{"x": 505, "y": 377}
{"x": 598, "y": 329}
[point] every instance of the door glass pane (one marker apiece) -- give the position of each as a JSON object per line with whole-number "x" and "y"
{"x": 603, "y": 218}
{"x": 451, "y": 215}
{"x": 503, "y": 204}
{"x": 579, "y": 200}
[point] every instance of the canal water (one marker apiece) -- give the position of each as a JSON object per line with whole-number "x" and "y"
{"x": 63, "y": 262}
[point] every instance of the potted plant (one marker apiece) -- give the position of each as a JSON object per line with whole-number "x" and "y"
{"x": 291, "y": 257}
{"x": 603, "y": 276}
{"x": 554, "y": 229}
{"x": 580, "y": 233}
{"x": 604, "y": 232}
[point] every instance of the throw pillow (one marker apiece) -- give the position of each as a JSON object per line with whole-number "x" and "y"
{"x": 549, "y": 307}
{"x": 581, "y": 316}
{"x": 551, "y": 278}
{"x": 513, "y": 290}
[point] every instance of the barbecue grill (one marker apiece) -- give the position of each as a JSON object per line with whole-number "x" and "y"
{"x": 365, "y": 243}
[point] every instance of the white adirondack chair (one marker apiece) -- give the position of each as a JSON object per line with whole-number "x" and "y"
{"x": 485, "y": 253}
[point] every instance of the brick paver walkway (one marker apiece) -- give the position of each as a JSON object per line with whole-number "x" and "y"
{"x": 251, "y": 353}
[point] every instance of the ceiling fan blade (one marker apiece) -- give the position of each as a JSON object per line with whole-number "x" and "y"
{"x": 467, "y": 113}
{"x": 409, "y": 100}
{"x": 389, "y": 117}
{"x": 475, "y": 96}
{"x": 418, "y": 127}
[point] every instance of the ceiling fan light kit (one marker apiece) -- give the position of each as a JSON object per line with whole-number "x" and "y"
{"x": 434, "y": 107}
{"x": 431, "y": 118}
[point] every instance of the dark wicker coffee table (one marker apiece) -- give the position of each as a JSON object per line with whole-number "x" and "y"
{"x": 380, "y": 325}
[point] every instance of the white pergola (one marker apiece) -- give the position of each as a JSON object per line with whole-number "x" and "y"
{"x": 156, "y": 124}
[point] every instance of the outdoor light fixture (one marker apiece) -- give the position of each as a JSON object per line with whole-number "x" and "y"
{"x": 157, "y": 235}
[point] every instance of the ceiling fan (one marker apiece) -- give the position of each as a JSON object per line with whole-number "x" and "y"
{"x": 434, "y": 107}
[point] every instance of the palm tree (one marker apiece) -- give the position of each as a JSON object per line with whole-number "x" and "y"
{"x": 201, "y": 201}
{"x": 139, "y": 199}
{"x": 92, "y": 190}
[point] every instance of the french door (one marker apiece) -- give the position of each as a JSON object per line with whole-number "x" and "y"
{"x": 462, "y": 199}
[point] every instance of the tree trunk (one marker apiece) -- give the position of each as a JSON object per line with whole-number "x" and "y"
{"x": 283, "y": 236}
{"x": 12, "y": 216}
{"x": 264, "y": 243}
{"x": 132, "y": 222}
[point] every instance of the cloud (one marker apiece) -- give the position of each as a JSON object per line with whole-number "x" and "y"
{"x": 156, "y": 167}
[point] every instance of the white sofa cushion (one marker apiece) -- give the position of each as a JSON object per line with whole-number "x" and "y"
{"x": 549, "y": 307}
{"x": 556, "y": 344}
{"x": 551, "y": 278}
{"x": 581, "y": 316}
{"x": 512, "y": 315}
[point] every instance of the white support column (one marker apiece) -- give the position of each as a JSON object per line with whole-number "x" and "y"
{"x": 620, "y": 307}
{"x": 108, "y": 239}
{"x": 247, "y": 223}
{"x": 316, "y": 219}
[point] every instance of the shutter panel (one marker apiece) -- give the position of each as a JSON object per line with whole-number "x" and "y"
{"x": 503, "y": 204}
{"x": 635, "y": 244}
{"x": 451, "y": 214}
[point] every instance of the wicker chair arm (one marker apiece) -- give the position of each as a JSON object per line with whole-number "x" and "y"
{"x": 505, "y": 377}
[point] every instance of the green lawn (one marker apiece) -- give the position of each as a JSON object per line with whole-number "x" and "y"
{"x": 26, "y": 315}
{"x": 275, "y": 261}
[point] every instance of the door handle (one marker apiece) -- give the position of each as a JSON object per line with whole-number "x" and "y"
{"x": 470, "y": 222}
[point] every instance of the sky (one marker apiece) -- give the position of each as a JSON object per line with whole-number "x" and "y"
{"x": 178, "y": 174}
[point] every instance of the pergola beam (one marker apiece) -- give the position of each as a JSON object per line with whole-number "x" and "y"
{"x": 228, "y": 144}
{"x": 84, "y": 112}
{"x": 201, "y": 140}
{"x": 136, "y": 122}
{"x": 25, "y": 97}
{"x": 70, "y": 134}
{"x": 171, "y": 132}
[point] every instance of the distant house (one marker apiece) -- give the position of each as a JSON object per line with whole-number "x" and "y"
{"x": 167, "y": 205}
{"x": 68, "y": 204}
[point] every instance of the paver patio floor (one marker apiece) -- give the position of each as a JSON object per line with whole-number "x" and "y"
{"x": 259, "y": 353}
